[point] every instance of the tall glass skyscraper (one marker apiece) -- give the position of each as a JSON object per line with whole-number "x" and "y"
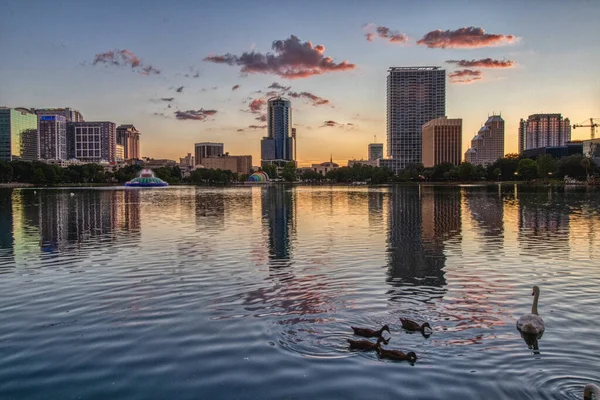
{"x": 19, "y": 138}
{"x": 279, "y": 146}
{"x": 415, "y": 95}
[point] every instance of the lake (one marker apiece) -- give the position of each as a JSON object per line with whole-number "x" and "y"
{"x": 250, "y": 292}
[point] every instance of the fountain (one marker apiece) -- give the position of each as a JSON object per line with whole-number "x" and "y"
{"x": 146, "y": 179}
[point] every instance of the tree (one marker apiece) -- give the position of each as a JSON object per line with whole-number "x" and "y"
{"x": 270, "y": 170}
{"x": 527, "y": 169}
{"x": 466, "y": 172}
{"x": 497, "y": 172}
{"x": 6, "y": 172}
{"x": 310, "y": 175}
{"x": 546, "y": 166}
{"x": 442, "y": 172}
{"x": 289, "y": 172}
{"x": 586, "y": 164}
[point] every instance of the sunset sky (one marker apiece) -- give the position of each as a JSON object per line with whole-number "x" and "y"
{"x": 128, "y": 61}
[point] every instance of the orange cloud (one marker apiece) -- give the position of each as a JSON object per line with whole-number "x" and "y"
{"x": 291, "y": 59}
{"x": 470, "y": 37}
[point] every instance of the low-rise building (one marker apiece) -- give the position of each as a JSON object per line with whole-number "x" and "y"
{"x": 325, "y": 167}
{"x": 187, "y": 161}
{"x": 372, "y": 163}
{"x": 240, "y": 165}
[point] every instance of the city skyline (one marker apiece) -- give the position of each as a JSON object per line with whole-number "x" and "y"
{"x": 338, "y": 103}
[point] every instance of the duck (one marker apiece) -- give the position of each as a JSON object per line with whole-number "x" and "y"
{"x": 366, "y": 332}
{"x": 532, "y": 323}
{"x": 396, "y": 354}
{"x": 412, "y": 326}
{"x": 591, "y": 390}
{"x": 365, "y": 344}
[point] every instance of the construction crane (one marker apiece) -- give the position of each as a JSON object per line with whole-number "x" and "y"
{"x": 594, "y": 123}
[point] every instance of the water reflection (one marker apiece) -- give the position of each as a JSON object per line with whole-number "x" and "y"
{"x": 279, "y": 214}
{"x": 421, "y": 220}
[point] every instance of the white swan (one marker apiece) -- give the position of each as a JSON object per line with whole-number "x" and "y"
{"x": 591, "y": 389}
{"x": 532, "y": 323}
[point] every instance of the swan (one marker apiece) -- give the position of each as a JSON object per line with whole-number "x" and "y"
{"x": 532, "y": 323}
{"x": 589, "y": 390}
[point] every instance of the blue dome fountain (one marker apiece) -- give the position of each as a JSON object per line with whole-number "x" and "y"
{"x": 146, "y": 179}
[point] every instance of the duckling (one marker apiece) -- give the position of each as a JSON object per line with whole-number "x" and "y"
{"x": 412, "y": 326}
{"x": 365, "y": 344}
{"x": 396, "y": 354}
{"x": 366, "y": 332}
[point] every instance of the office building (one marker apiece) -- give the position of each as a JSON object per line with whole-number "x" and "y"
{"x": 442, "y": 141}
{"x": 279, "y": 146}
{"x": 488, "y": 145}
{"x": 187, "y": 161}
{"x": 543, "y": 130}
{"x": 93, "y": 142}
{"x": 236, "y": 164}
{"x": 52, "y": 131}
{"x": 207, "y": 149}
{"x": 69, "y": 114}
{"x": 129, "y": 138}
{"x": 415, "y": 95}
{"x": 375, "y": 151}
{"x": 119, "y": 153}
{"x": 19, "y": 138}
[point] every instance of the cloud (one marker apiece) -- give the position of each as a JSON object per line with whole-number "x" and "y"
{"x": 335, "y": 124}
{"x": 290, "y": 59}
{"x": 198, "y": 115}
{"x": 330, "y": 123}
{"x": 257, "y": 126}
{"x": 124, "y": 58}
{"x": 392, "y": 36}
{"x": 272, "y": 93}
{"x": 159, "y": 114}
{"x": 168, "y": 99}
{"x": 235, "y": 87}
{"x": 276, "y": 85}
{"x": 261, "y": 118}
{"x": 369, "y": 37}
{"x": 256, "y": 106}
{"x": 483, "y": 63}
{"x": 240, "y": 130}
{"x": 470, "y": 37}
{"x": 465, "y": 76}
{"x": 194, "y": 73}
{"x": 179, "y": 89}
{"x": 316, "y": 100}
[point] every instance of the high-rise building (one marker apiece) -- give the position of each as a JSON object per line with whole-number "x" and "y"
{"x": 279, "y": 146}
{"x": 187, "y": 161}
{"x": 488, "y": 145}
{"x": 543, "y": 130}
{"x": 415, "y": 95}
{"x": 129, "y": 138}
{"x": 442, "y": 141}
{"x": 19, "y": 138}
{"x": 375, "y": 151}
{"x": 69, "y": 114}
{"x": 52, "y": 130}
{"x": 93, "y": 141}
{"x": 207, "y": 149}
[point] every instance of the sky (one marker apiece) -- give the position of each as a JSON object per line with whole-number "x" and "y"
{"x": 190, "y": 71}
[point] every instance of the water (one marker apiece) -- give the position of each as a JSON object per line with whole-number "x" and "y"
{"x": 249, "y": 293}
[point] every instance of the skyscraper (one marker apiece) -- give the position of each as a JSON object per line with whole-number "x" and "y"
{"x": 52, "y": 130}
{"x": 488, "y": 145}
{"x": 207, "y": 149}
{"x": 93, "y": 141}
{"x": 442, "y": 142}
{"x": 279, "y": 146}
{"x": 129, "y": 138}
{"x": 19, "y": 138}
{"x": 375, "y": 151}
{"x": 543, "y": 130}
{"x": 415, "y": 95}
{"x": 69, "y": 114}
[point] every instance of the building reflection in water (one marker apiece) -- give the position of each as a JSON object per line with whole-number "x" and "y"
{"x": 421, "y": 220}
{"x": 54, "y": 220}
{"x": 6, "y": 228}
{"x": 375, "y": 205}
{"x": 278, "y": 213}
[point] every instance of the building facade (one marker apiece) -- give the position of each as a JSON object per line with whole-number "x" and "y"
{"x": 375, "y": 151}
{"x": 325, "y": 167}
{"x": 52, "y": 130}
{"x": 69, "y": 114}
{"x": 442, "y": 141}
{"x": 129, "y": 138}
{"x": 415, "y": 95}
{"x": 93, "y": 142}
{"x": 19, "y": 138}
{"x": 119, "y": 153}
{"x": 279, "y": 147}
{"x": 543, "y": 130}
{"x": 207, "y": 149}
{"x": 187, "y": 161}
{"x": 241, "y": 165}
{"x": 488, "y": 145}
